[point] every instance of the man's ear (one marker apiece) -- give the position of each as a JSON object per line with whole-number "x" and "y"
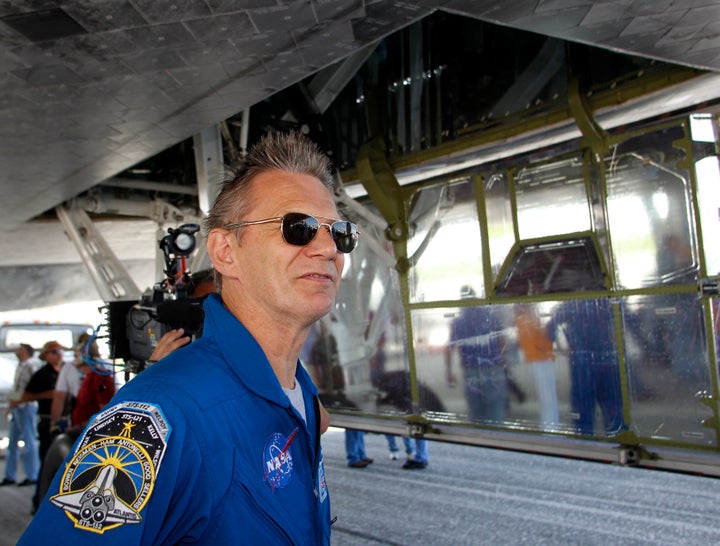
{"x": 220, "y": 244}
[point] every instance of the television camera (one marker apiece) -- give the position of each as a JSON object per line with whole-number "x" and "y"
{"x": 175, "y": 302}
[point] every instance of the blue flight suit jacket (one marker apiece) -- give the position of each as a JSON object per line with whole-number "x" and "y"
{"x": 204, "y": 447}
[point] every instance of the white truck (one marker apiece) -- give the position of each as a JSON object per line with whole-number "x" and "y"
{"x": 35, "y": 334}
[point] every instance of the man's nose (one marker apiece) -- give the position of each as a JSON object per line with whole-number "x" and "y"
{"x": 325, "y": 240}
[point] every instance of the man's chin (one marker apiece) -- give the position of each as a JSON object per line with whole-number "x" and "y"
{"x": 319, "y": 309}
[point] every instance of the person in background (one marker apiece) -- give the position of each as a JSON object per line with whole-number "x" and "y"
{"x": 395, "y": 451}
{"x": 538, "y": 354}
{"x": 41, "y": 388}
{"x": 97, "y": 387}
{"x": 355, "y": 449}
{"x": 66, "y": 389}
{"x": 478, "y": 333}
{"x": 395, "y": 391}
{"x": 588, "y": 326}
{"x": 219, "y": 442}
{"x": 420, "y": 458}
{"x": 95, "y": 391}
{"x": 22, "y": 424}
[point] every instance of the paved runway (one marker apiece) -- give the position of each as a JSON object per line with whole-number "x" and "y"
{"x": 469, "y": 495}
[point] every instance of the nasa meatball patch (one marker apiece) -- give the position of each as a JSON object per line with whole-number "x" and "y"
{"x": 278, "y": 460}
{"x": 112, "y": 472}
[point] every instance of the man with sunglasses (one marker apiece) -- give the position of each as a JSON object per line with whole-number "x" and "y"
{"x": 41, "y": 387}
{"x": 219, "y": 442}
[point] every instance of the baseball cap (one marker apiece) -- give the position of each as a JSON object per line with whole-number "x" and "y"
{"x": 50, "y": 346}
{"x": 28, "y": 348}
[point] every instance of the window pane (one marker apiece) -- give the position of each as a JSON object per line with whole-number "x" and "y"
{"x": 461, "y": 353}
{"x": 566, "y": 265}
{"x": 500, "y": 222}
{"x": 348, "y": 351}
{"x": 649, "y": 212}
{"x": 708, "y": 177}
{"x": 668, "y": 372}
{"x": 551, "y": 199}
{"x": 544, "y": 366}
{"x": 445, "y": 250}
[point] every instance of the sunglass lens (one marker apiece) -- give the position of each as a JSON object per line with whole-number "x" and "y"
{"x": 345, "y": 235}
{"x": 299, "y": 229}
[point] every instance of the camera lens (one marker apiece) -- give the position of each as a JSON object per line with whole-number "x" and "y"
{"x": 184, "y": 242}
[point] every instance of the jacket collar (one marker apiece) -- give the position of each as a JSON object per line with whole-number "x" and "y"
{"x": 244, "y": 356}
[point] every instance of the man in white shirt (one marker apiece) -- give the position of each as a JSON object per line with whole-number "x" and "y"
{"x": 66, "y": 389}
{"x": 22, "y": 424}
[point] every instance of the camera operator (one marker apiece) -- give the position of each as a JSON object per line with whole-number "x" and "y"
{"x": 172, "y": 340}
{"x": 219, "y": 443}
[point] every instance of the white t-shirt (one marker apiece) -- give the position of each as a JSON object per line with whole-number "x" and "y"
{"x": 296, "y": 399}
{"x": 69, "y": 379}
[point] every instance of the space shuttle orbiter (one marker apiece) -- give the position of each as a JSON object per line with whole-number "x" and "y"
{"x": 98, "y": 503}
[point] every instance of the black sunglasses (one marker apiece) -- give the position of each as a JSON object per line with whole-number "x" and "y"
{"x": 299, "y": 229}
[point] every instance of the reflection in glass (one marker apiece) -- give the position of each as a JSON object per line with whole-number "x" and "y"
{"x": 545, "y": 366}
{"x": 552, "y": 199}
{"x": 348, "y": 352}
{"x": 483, "y": 370}
{"x": 667, "y": 361}
{"x": 445, "y": 248}
{"x": 535, "y": 349}
{"x": 460, "y": 352}
{"x": 477, "y": 335}
{"x": 708, "y": 178}
{"x": 566, "y": 265}
{"x": 586, "y": 328}
{"x": 649, "y": 212}
{"x": 499, "y": 218}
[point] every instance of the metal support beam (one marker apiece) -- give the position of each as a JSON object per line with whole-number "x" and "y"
{"x": 208, "y": 165}
{"x": 595, "y": 137}
{"x": 328, "y": 83}
{"x": 149, "y": 185}
{"x": 244, "y": 131}
{"x": 382, "y": 186}
{"x": 157, "y": 210}
{"x": 111, "y": 280}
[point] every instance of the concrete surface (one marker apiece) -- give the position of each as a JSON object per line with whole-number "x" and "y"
{"x": 471, "y": 496}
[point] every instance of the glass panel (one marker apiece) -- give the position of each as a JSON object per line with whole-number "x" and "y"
{"x": 462, "y": 353}
{"x": 551, "y": 199}
{"x": 707, "y": 173}
{"x": 702, "y": 128}
{"x": 708, "y": 178}
{"x": 668, "y": 368}
{"x": 348, "y": 352}
{"x": 445, "y": 249}
{"x": 450, "y": 76}
{"x": 599, "y": 218}
{"x": 564, "y": 266}
{"x": 548, "y": 366}
{"x": 649, "y": 212}
{"x": 583, "y": 331}
{"x": 500, "y": 221}
{"x": 715, "y": 307}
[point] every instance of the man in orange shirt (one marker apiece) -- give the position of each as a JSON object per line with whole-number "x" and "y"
{"x": 538, "y": 351}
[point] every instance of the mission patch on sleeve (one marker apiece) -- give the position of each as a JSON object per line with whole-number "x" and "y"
{"x": 112, "y": 473}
